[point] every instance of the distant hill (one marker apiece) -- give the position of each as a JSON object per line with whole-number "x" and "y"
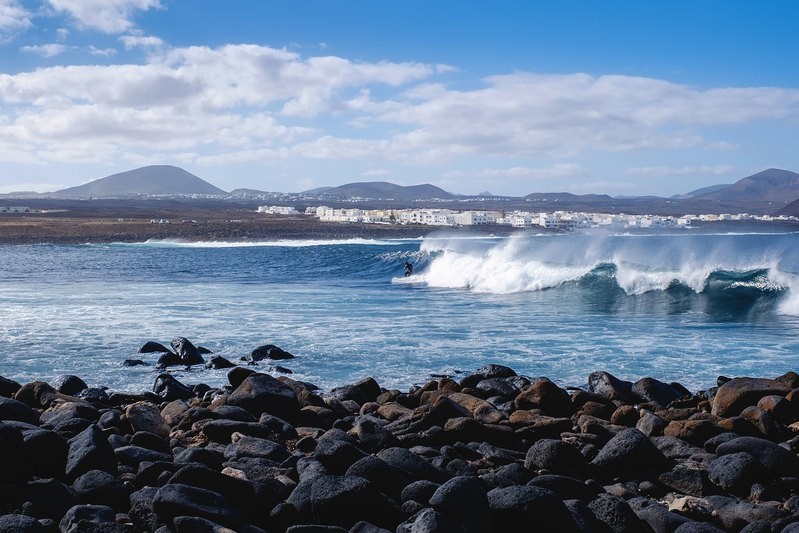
{"x": 772, "y": 185}
{"x": 383, "y": 190}
{"x": 149, "y": 181}
{"x": 704, "y": 190}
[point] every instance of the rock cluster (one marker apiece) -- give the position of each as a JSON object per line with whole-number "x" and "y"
{"x": 494, "y": 451}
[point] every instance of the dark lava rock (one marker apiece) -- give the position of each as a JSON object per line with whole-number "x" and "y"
{"x": 428, "y": 521}
{"x": 261, "y": 393}
{"x": 50, "y": 498}
{"x": 565, "y": 487}
{"x": 14, "y": 463}
{"x": 187, "y": 352}
{"x": 170, "y": 389}
{"x": 69, "y": 384}
{"x": 388, "y": 479}
{"x": 515, "y": 505}
{"x": 775, "y": 458}
{"x": 652, "y": 390}
{"x": 413, "y": 465}
{"x": 737, "y": 472}
{"x": 8, "y": 387}
{"x": 545, "y": 395}
{"x": 610, "y": 387}
{"x": 20, "y": 523}
{"x": 133, "y": 362}
{"x": 616, "y": 513}
{"x": 555, "y": 456}
{"x": 269, "y": 351}
{"x": 629, "y": 451}
{"x": 216, "y": 362}
{"x": 90, "y": 450}
{"x": 177, "y": 499}
{"x": 153, "y": 347}
{"x": 15, "y": 410}
{"x": 346, "y": 500}
{"x": 464, "y": 499}
{"x": 83, "y": 517}
{"x": 101, "y": 488}
{"x": 487, "y": 372}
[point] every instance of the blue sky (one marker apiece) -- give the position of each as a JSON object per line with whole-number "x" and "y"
{"x": 512, "y": 97}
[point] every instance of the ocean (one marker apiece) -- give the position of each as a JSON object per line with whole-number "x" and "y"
{"x": 686, "y": 307}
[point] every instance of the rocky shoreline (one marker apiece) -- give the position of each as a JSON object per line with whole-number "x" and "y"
{"x": 493, "y": 451}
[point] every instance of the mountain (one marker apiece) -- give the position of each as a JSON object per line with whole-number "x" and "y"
{"x": 383, "y": 190}
{"x": 154, "y": 180}
{"x": 567, "y": 197}
{"x": 702, "y": 191}
{"x": 772, "y": 185}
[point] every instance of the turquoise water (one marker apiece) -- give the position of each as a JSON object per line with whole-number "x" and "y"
{"x": 683, "y": 307}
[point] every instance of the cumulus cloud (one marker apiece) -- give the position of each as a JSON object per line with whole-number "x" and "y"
{"x": 14, "y": 18}
{"x": 107, "y": 16}
{"x": 45, "y": 50}
{"x": 246, "y": 102}
{"x": 140, "y": 41}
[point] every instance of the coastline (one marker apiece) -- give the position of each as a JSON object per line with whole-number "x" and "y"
{"x": 266, "y": 454}
{"x": 199, "y": 225}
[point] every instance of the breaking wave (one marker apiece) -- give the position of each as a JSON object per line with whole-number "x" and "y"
{"x": 724, "y": 274}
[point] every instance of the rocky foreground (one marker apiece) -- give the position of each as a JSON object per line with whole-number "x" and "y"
{"x": 492, "y": 452}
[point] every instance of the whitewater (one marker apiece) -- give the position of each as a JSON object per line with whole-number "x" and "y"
{"x": 683, "y": 307}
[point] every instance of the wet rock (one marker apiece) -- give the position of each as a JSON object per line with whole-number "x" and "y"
{"x": 487, "y": 372}
{"x": 218, "y": 362}
{"x": 69, "y": 384}
{"x": 133, "y": 362}
{"x": 652, "y": 390}
{"x": 739, "y": 393}
{"x": 19, "y": 523}
{"x": 269, "y": 351}
{"x": 169, "y": 389}
{"x": 153, "y": 347}
{"x": 610, "y": 387}
{"x": 187, "y": 353}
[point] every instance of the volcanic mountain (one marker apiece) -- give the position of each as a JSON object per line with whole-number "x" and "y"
{"x": 154, "y": 180}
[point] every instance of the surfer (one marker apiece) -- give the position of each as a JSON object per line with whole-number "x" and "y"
{"x": 408, "y": 268}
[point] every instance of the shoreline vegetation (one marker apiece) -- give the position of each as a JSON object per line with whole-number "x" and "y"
{"x": 492, "y": 451}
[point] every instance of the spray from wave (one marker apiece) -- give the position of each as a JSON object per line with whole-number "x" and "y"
{"x": 742, "y": 271}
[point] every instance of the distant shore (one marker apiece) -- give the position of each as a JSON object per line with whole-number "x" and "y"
{"x": 196, "y": 225}
{"x": 108, "y": 222}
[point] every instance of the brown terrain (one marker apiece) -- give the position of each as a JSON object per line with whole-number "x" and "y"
{"x": 122, "y": 223}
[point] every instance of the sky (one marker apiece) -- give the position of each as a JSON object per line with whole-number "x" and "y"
{"x": 623, "y": 97}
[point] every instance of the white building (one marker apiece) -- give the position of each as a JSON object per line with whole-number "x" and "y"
{"x": 277, "y": 210}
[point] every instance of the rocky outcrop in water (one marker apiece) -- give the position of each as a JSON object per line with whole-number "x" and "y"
{"x": 493, "y": 451}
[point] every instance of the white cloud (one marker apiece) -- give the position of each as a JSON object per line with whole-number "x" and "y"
{"x": 14, "y": 18}
{"x": 140, "y": 41}
{"x": 107, "y": 16}
{"x": 560, "y": 170}
{"x": 102, "y": 52}
{"x": 45, "y": 50}
{"x": 242, "y": 103}
{"x": 663, "y": 171}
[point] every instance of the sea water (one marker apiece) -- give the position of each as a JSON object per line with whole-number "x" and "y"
{"x": 685, "y": 307}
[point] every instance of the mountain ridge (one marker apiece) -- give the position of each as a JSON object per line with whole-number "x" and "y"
{"x": 152, "y": 180}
